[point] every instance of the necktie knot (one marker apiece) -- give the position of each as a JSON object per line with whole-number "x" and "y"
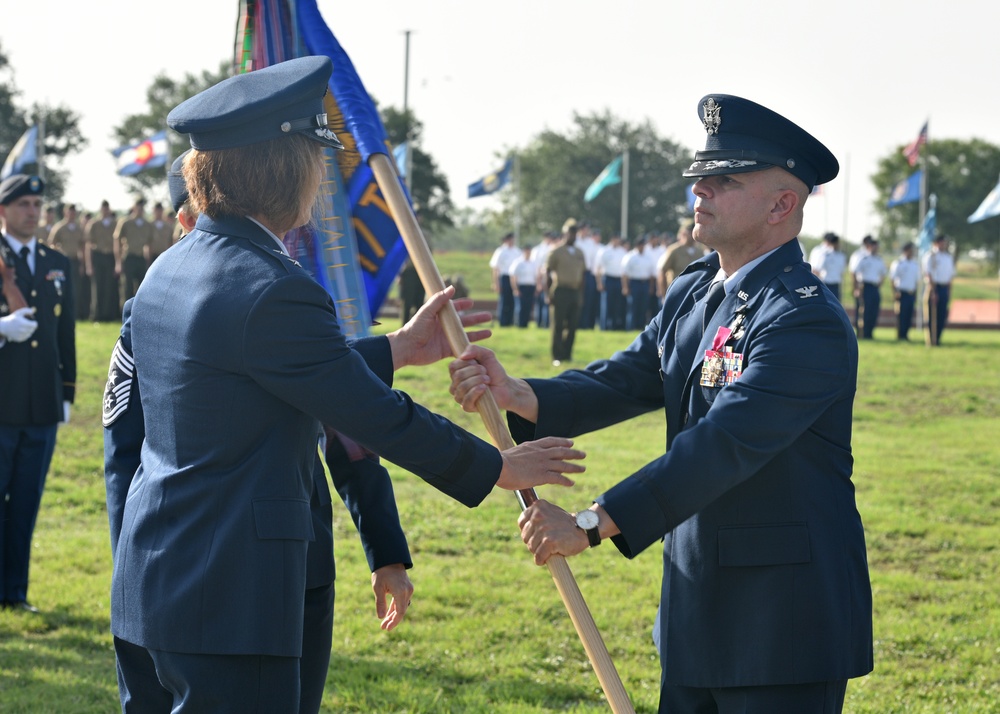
{"x": 25, "y": 252}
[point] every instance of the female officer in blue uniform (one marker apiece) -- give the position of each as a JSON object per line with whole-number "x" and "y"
{"x": 239, "y": 358}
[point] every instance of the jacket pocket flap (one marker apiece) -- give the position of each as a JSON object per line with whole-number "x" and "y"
{"x": 745, "y": 546}
{"x": 285, "y": 519}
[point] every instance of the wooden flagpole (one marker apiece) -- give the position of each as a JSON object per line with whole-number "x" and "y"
{"x": 416, "y": 244}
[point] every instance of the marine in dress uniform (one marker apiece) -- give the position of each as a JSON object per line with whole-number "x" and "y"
{"x": 37, "y": 377}
{"x": 766, "y": 602}
{"x": 239, "y": 359}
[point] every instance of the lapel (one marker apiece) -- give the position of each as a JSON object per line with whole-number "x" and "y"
{"x": 741, "y": 298}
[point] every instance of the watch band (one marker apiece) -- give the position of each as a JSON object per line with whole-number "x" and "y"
{"x": 594, "y": 536}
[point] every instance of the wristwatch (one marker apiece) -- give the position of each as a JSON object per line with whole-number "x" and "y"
{"x": 588, "y": 521}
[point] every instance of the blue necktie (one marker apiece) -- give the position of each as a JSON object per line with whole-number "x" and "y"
{"x": 716, "y": 294}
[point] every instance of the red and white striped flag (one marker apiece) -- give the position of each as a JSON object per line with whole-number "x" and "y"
{"x": 912, "y": 150}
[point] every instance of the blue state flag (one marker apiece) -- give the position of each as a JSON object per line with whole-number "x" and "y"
{"x": 24, "y": 153}
{"x": 988, "y": 208}
{"x": 355, "y": 120}
{"x": 611, "y": 175}
{"x": 491, "y": 183}
{"x": 906, "y": 191}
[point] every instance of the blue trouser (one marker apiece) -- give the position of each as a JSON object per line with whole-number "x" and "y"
{"x": 937, "y": 311}
{"x": 638, "y": 304}
{"x": 505, "y": 303}
{"x": 809, "y": 698}
{"x": 155, "y": 681}
{"x": 612, "y": 304}
{"x": 541, "y": 309}
{"x": 590, "y": 302}
{"x": 871, "y": 303}
{"x": 25, "y": 455}
{"x": 525, "y": 302}
{"x": 904, "y": 315}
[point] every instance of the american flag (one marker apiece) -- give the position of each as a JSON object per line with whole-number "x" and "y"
{"x": 912, "y": 150}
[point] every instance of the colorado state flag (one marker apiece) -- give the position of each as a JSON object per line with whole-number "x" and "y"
{"x": 141, "y": 155}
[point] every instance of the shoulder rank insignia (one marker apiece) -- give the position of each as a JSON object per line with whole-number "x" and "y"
{"x": 119, "y": 386}
{"x": 808, "y": 291}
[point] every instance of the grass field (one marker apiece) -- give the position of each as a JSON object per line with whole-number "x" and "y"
{"x": 487, "y": 632}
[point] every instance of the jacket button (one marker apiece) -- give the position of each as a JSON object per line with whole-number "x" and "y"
{"x": 34, "y": 343}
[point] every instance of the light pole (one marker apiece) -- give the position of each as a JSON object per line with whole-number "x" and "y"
{"x": 406, "y": 113}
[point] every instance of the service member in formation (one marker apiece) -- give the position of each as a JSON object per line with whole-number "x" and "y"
{"x": 905, "y": 276}
{"x": 766, "y": 602}
{"x": 564, "y": 268}
{"x": 103, "y": 268}
{"x": 939, "y": 271}
{"x": 132, "y": 238}
{"x": 868, "y": 273}
{"x": 37, "y": 374}
{"x": 68, "y": 238}
{"x": 678, "y": 256}
{"x": 239, "y": 359}
{"x": 163, "y": 234}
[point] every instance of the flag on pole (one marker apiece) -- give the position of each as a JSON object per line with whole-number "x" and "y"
{"x": 400, "y": 155}
{"x": 928, "y": 230}
{"x": 142, "y": 154}
{"x": 356, "y": 122}
{"x": 906, "y": 191}
{"x": 988, "y": 208}
{"x": 354, "y": 248}
{"x": 24, "y": 153}
{"x": 611, "y": 175}
{"x": 912, "y": 150}
{"x": 491, "y": 183}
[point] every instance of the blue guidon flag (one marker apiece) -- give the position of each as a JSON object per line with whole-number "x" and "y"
{"x": 121, "y": 372}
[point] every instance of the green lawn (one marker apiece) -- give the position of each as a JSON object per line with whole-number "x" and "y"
{"x": 487, "y": 631}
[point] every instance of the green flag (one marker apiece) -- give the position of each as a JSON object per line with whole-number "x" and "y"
{"x": 609, "y": 177}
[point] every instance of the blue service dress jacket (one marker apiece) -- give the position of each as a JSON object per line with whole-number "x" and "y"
{"x": 39, "y": 374}
{"x": 240, "y": 359}
{"x": 765, "y": 575}
{"x": 364, "y": 485}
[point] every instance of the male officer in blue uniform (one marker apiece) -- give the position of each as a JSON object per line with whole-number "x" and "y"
{"x": 37, "y": 376}
{"x": 766, "y": 601}
{"x": 239, "y": 359}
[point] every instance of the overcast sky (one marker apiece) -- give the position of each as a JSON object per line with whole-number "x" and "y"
{"x": 488, "y": 76}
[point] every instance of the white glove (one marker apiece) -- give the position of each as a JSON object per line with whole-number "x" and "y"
{"x": 19, "y": 325}
{"x": 65, "y": 412}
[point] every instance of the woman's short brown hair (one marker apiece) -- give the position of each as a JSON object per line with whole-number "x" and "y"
{"x": 266, "y": 180}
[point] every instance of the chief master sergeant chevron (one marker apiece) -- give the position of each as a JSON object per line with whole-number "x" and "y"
{"x": 766, "y": 602}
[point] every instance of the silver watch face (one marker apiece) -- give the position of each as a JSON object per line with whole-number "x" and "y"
{"x": 587, "y": 520}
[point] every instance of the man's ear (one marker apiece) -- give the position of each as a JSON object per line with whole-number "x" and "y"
{"x": 785, "y": 203}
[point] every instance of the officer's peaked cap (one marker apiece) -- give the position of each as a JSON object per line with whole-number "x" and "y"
{"x": 280, "y": 100}
{"x": 743, "y": 136}
{"x": 175, "y": 182}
